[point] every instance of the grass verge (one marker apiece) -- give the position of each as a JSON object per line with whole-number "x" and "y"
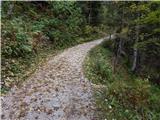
{"x": 125, "y": 96}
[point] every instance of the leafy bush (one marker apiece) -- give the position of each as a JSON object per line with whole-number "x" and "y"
{"x": 88, "y": 30}
{"x": 15, "y": 39}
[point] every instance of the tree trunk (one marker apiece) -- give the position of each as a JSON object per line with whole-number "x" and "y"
{"x": 10, "y": 10}
{"x": 134, "y": 65}
{"x": 90, "y": 13}
{"x": 110, "y": 36}
{"x": 119, "y": 47}
{"x": 135, "y": 51}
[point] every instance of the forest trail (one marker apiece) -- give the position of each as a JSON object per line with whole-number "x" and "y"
{"x": 56, "y": 91}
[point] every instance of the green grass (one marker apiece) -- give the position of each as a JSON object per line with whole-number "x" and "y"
{"x": 125, "y": 96}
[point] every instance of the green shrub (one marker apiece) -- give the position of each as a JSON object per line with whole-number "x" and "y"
{"x": 88, "y": 30}
{"x": 16, "y": 39}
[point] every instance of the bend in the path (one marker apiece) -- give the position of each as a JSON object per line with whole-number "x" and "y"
{"x": 57, "y": 91}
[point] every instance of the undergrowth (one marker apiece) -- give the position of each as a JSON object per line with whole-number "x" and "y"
{"x": 34, "y": 30}
{"x": 125, "y": 96}
{"x": 19, "y": 69}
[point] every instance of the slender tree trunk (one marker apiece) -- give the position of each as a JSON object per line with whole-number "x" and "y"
{"x": 135, "y": 52}
{"x": 10, "y": 10}
{"x": 119, "y": 47}
{"x": 110, "y": 35}
{"x": 135, "y": 60}
{"x": 90, "y": 12}
{"x": 89, "y": 20}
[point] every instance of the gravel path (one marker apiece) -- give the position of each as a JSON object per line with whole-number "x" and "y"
{"x": 57, "y": 91}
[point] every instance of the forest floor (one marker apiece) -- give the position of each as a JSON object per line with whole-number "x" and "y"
{"x": 56, "y": 91}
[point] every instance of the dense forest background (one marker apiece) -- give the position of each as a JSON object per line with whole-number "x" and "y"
{"x": 126, "y": 68}
{"x": 32, "y": 31}
{"x": 137, "y": 27}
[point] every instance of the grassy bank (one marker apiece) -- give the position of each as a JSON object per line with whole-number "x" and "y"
{"x": 123, "y": 96}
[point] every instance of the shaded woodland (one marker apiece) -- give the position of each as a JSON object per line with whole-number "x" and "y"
{"x": 33, "y": 31}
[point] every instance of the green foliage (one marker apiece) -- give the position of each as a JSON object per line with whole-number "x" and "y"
{"x": 137, "y": 27}
{"x": 98, "y": 67}
{"x": 32, "y": 30}
{"x": 152, "y": 18}
{"x": 123, "y": 96}
{"x": 88, "y": 30}
{"x": 15, "y": 38}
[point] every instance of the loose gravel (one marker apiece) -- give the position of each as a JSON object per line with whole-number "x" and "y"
{"x": 56, "y": 91}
